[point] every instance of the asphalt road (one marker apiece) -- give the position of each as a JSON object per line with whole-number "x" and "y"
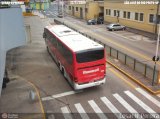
{"x": 117, "y": 96}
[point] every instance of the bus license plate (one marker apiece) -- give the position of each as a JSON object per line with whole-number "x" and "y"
{"x": 96, "y": 83}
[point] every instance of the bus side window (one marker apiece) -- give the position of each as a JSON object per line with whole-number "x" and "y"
{"x": 69, "y": 57}
{"x": 54, "y": 41}
{"x": 44, "y": 33}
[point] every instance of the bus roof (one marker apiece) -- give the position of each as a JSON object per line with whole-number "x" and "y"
{"x": 74, "y": 40}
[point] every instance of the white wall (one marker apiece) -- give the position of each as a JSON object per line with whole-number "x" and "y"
{"x": 12, "y": 34}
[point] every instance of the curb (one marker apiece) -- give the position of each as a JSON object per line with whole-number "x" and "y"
{"x": 135, "y": 80}
{"x": 28, "y": 14}
{"x": 38, "y": 94}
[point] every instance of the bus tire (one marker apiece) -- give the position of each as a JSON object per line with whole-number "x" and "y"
{"x": 48, "y": 50}
{"x": 59, "y": 66}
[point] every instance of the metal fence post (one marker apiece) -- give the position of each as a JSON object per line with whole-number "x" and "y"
{"x": 145, "y": 71}
{"x": 134, "y": 64}
{"x": 125, "y": 59}
{"x": 110, "y": 51}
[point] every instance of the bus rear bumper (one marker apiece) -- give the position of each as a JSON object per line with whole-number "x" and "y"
{"x": 87, "y": 85}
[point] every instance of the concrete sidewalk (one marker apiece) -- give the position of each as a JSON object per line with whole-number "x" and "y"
{"x": 16, "y": 100}
{"x": 138, "y": 78}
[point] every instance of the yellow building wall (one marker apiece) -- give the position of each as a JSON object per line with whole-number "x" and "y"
{"x": 93, "y": 10}
{"x": 141, "y": 25}
{"x": 76, "y": 13}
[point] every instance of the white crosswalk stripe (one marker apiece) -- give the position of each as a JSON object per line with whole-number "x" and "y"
{"x": 115, "y": 110}
{"x": 111, "y": 107}
{"x": 81, "y": 111}
{"x": 148, "y": 96}
{"x": 66, "y": 113}
{"x": 127, "y": 106}
{"x": 140, "y": 103}
{"x": 97, "y": 109}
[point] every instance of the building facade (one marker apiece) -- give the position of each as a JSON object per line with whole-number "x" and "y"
{"x": 86, "y": 9}
{"x": 139, "y": 15}
{"x": 39, "y": 4}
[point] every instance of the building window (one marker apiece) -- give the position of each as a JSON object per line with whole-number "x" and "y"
{"x": 86, "y": 10}
{"x": 158, "y": 20}
{"x": 108, "y": 12}
{"x": 141, "y": 17}
{"x": 128, "y": 15}
{"x": 115, "y": 13}
{"x": 69, "y": 7}
{"x": 124, "y": 14}
{"x": 136, "y": 16}
{"x": 151, "y": 18}
{"x": 118, "y": 13}
{"x": 76, "y": 8}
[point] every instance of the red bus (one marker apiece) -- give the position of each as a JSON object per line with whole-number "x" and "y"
{"x": 81, "y": 60}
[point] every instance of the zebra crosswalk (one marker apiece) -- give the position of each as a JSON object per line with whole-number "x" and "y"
{"x": 141, "y": 98}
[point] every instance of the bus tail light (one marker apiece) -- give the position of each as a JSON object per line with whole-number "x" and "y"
{"x": 75, "y": 79}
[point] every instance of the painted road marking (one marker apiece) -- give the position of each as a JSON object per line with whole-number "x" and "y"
{"x": 140, "y": 103}
{"x": 81, "y": 111}
{"x": 148, "y": 96}
{"x": 111, "y": 107}
{"x": 60, "y": 95}
{"x": 127, "y": 106}
{"x": 66, "y": 113}
{"x": 121, "y": 77}
{"x": 97, "y": 109}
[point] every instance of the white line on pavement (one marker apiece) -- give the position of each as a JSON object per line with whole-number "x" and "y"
{"x": 66, "y": 113}
{"x": 81, "y": 111}
{"x": 97, "y": 109}
{"x": 127, "y": 106}
{"x": 60, "y": 95}
{"x": 111, "y": 107}
{"x": 148, "y": 96}
{"x": 140, "y": 103}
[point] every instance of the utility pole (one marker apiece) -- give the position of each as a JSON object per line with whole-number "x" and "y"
{"x": 157, "y": 13}
{"x": 156, "y": 58}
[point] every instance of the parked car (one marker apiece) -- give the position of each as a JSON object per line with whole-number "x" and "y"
{"x": 60, "y": 15}
{"x": 100, "y": 20}
{"x": 92, "y": 22}
{"x": 115, "y": 26}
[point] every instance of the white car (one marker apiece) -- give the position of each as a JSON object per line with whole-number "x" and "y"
{"x": 115, "y": 26}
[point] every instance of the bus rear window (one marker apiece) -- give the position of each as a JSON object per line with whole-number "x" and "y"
{"x": 88, "y": 56}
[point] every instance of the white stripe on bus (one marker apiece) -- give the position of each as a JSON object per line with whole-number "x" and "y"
{"x": 97, "y": 109}
{"x": 81, "y": 111}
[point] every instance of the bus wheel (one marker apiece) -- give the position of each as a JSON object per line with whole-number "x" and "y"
{"x": 48, "y": 50}
{"x": 59, "y": 66}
